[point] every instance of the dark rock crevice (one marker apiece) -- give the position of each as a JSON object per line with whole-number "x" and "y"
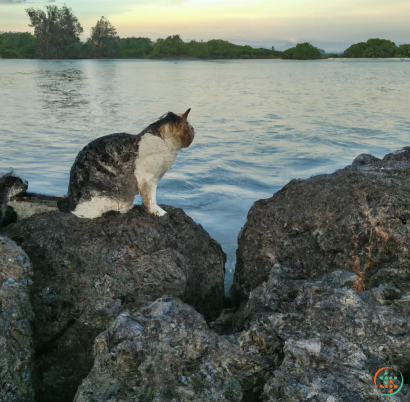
{"x": 406, "y": 377}
{"x": 49, "y": 344}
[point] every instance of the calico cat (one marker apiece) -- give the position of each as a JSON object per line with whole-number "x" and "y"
{"x": 111, "y": 171}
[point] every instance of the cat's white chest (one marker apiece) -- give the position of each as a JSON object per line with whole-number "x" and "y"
{"x": 155, "y": 157}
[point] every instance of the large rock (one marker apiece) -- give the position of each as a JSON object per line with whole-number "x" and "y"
{"x": 317, "y": 341}
{"x": 16, "y": 345}
{"x": 356, "y": 219}
{"x": 335, "y": 339}
{"x": 165, "y": 352}
{"x": 87, "y": 271}
{"x": 324, "y": 266}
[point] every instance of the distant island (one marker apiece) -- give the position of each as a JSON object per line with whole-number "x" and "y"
{"x": 57, "y": 36}
{"x": 377, "y": 48}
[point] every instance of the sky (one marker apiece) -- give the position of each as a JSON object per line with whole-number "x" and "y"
{"x": 329, "y": 24}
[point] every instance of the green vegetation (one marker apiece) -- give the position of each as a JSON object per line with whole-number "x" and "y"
{"x": 57, "y": 36}
{"x": 174, "y": 46}
{"x": 403, "y": 51}
{"x": 57, "y": 32}
{"x": 372, "y": 48}
{"x": 17, "y": 45}
{"x": 134, "y": 48}
{"x": 303, "y": 51}
{"x": 104, "y": 40}
{"x": 377, "y": 48}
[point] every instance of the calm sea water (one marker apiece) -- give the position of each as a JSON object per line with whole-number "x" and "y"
{"x": 258, "y": 123}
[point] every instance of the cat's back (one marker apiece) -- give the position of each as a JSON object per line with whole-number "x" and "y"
{"x": 112, "y": 149}
{"x": 105, "y": 166}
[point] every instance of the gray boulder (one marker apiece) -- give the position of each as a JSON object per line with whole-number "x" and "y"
{"x": 356, "y": 219}
{"x": 166, "y": 352}
{"x": 324, "y": 266}
{"x": 300, "y": 341}
{"x": 16, "y": 345}
{"x": 88, "y": 271}
{"x": 335, "y": 339}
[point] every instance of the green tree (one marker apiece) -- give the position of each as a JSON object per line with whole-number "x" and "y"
{"x": 172, "y": 46}
{"x": 303, "y": 51}
{"x": 403, "y": 51}
{"x": 105, "y": 39}
{"x": 372, "y": 48}
{"x": 57, "y": 32}
{"x": 17, "y": 45}
{"x": 134, "y": 48}
{"x": 87, "y": 50}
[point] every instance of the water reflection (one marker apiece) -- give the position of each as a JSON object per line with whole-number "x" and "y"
{"x": 62, "y": 90}
{"x": 104, "y": 88}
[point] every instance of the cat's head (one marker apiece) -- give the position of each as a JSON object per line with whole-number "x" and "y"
{"x": 173, "y": 127}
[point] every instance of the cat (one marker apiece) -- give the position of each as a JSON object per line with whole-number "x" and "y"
{"x": 112, "y": 170}
{"x": 10, "y": 186}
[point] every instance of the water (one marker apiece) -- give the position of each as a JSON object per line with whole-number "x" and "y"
{"x": 259, "y": 123}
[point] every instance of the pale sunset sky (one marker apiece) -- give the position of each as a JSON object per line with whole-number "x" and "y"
{"x": 329, "y": 24}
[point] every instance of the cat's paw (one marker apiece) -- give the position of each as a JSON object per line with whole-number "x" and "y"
{"x": 158, "y": 211}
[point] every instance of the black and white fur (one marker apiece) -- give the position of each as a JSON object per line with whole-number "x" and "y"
{"x": 111, "y": 171}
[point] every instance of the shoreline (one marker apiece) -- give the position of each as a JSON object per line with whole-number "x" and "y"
{"x": 213, "y": 59}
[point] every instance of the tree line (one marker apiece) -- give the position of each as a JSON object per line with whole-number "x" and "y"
{"x": 377, "y": 48}
{"x": 57, "y": 34}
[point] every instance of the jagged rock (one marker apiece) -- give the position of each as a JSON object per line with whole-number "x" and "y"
{"x": 165, "y": 352}
{"x": 356, "y": 219}
{"x": 320, "y": 341}
{"x": 16, "y": 345}
{"x": 88, "y": 271}
{"x": 335, "y": 338}
{"x": 10, "y": 186}
{"x": 324, "y": 266}
{"x": 29, "y": 204}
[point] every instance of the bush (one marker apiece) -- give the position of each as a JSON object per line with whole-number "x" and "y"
{"x": 17, "y": 45}
{"x": 372, "y": 48}
{"x": 303, "y": 51}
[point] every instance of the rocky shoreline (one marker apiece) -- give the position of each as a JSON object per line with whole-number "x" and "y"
{"x": 131, "y": 307}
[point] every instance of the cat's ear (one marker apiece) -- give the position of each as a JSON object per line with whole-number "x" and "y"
{"x": 185, "y": 115}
